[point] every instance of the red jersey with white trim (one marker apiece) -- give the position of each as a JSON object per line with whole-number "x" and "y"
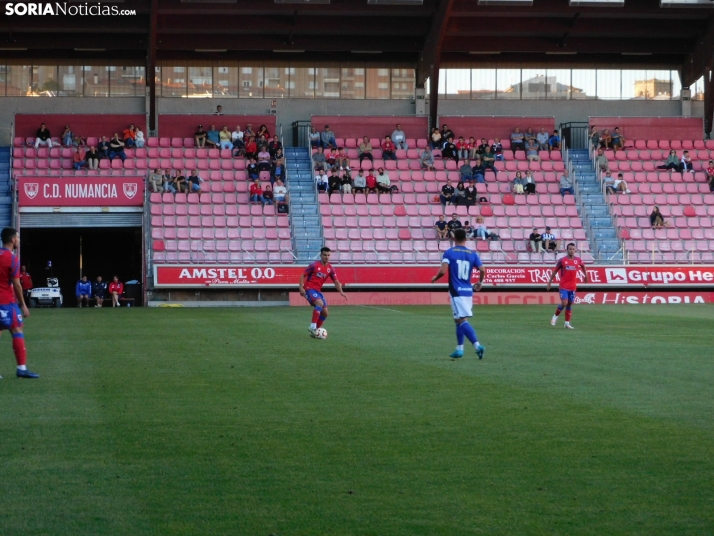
{"x": 9, "y": 269}
{"x": 316, "y": 274}
{"x": 568, "y": 269}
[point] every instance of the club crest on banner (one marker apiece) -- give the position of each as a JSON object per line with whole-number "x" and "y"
{"x": 32, "y": 189}
{"x": 130, "y": 189}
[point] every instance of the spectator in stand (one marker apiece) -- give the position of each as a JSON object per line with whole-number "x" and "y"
{"x": 277, "y": 155}
{"x": 687, "y": 164}
{"x": 532, "y": 151}
{"x": 219, "y": 110}
{"x": 67, "y": 137}
{"x": 518, "y": 183}
{"x": 436, "y": 141}
{"x": 264, "y": 160}
{"x": 274, "y": 146}
{"x": 237, "y": 135}
{"x": 333, "y": 183}
{"x": 180, "y": 181}
{"x": 139, "y": 139}
{"x": 465, "y": 172}
{"x": 314, "y": 136}
{"x": 78, "y": 158}
{"x": 156, "y": 182}
{"x": 454, "y": 223}
{"x": 251, "y": 149}
{"x": 277, "y": 171}
{"x": 360, "y": 184}
{"x": 116, "y": 148}
{"x": 710, "y": 175}
{"x": 399, "y": 138}
{"x": 103, "y": 147}
{"x": 447, "y": 133}
{"x": 462, "y": 149}
{"x": 99, "y": 291}
{"x": 194, "y": 182}
{"x": 606, "y": 140}
{"x": 497, "y": 149}
{"x": 365, "y": 150}
{"x": 459, "y": 197}
{"x": 268, "y": 195}
{"x": 566, "y": 184}
{"x": 470, "y": 194}
{"x": 384, "y": 185}
{"x": 426, "y": 159}
{"x": 169, "y": 182}
{"x": 447, "y": 194}
{"x": 554, "y": 142}
{"x": 249, "y": 131}
{"x": 482, "y": 231}
{"x": 517, "y": 141}
{"x": 346, "y": 182}
{"x": 673, "y": 162}
{"x": 25, "y": 283}
{"x": 468, "y": 229}
{"x": 129, "y": 135}
{"x": 473, "y": 148}
{"x": 252, "y": 169}
{"x": 479, "y": 170}
{"x": 601, "y": 161}
{"x": 550, "y": 242}
{"x": 319, "y": 159}
{"x": 199, "y": 137}
{"x": 43, "y": 137}
{"x": 225, "y": 138}
{"x": 256, "y": 192}
{"x": 331, "y": 158}
{"x": 83, "y": 292}
{"x": 489, "y": 160}
{"x": 481, "y": 148}
{"x": 388, "y": 149}
{"x": 536, "y": 241}
{"x": 618, "y": 140}
{"x": 657, "y": 220}
{"x": 608, "y": 181}
{"x": 263, "y": 133}
{"x": 449, "y": 150}
{"x": 342, "y": 161}
{"x": 213, "y": 138}
{"x": 529, "y": 186}
{"x": 530, "y": 136}
{"x": 280, "y": 192}
{"x": 442, "y": 233}
{"x": 371, "y": 182}
{"x": 116, "y": 289}
{"x": 321, "y": 181}
{"x": 542, "y": 139}
{"x": 327, "y": 137}
{"x": 620, "y": 185}
{"x": 594, "y": 138}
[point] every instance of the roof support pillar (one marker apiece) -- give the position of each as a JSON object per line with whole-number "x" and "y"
{"x": 151, "y": 67}
{"x": 708, "y": 102}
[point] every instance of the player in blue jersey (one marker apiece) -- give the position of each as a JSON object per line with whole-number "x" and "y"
{"x": 459, "y": 262}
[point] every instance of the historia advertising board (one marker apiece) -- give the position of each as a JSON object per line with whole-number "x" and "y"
{"x": 81, "y": 191}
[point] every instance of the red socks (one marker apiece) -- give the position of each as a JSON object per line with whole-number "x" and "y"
{"x": 568, "y": 314}
{"x": 18, "y": 346}
{"x": 316, "y": 316}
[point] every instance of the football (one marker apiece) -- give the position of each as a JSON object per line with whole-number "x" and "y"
{"x": 321, "y": 333}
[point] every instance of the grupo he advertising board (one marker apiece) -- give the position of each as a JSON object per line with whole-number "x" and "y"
{"x": 193, "y": 276}
{"x": 81, "y": 191}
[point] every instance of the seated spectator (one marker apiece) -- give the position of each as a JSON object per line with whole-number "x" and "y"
{"x": 442, "y": 233}
{"x": 482, "y": 231}
{"x": 237, "y": 135}
{"x": 139, "y": 139}
{"x": 459, "y": 195}
{"x": 328, "y": 138}
{"x": 426, "y": 159}
{"x": 542, "y": 140}
{"x": 532, "y": 151}
{"x": 687, "y": 164}
{"x": 595, "y": 138}
{"x": 248, "y": 133}
{"x": 268, "y": 195}
{"x": 333, "y": 183}
{"x": 251, "y": 148}
{"x": 657, "y": 220}
{"x": 482, "y": 147}
{"x": 225, "y": 138}
{"x": 449, "y": 151}
{"x": 530, "y": 136}
{"x": 67, "y": 137}
{"x": 256, "y": 192}
{"x": 180, "y": 182}
{"x": 620, "y": 186}
{"x": 371, "y": 183}
{"x": 566, "y": 184}
{"x": 465, "y": 171}
{"x": 169, "y": 182}
{"x": 365, "y": 150}
{"x": 213, "y": 138}
{"x": 277, "y": 171}
{"x": 535, "y": 240}
{"x": 199, "y": 137}
{"x": 129, "y": 135}
{"x": 194, "y": 182}
{"x": 447, "y": 133}
{"x": 219, "y": 110}
{"x": 606, "y": 140}
{"x": 462, "y": 149}
{"x": 447, "y": 194}
{"x": 468, "y": 229}
{"x": 473, "y": 148}
{"x": 479, "y": 170}
{"x": 274, "y": 146}
{"x": 321, "y": 181}
{"x": 99, "y": 291}
{"x": 331, "y": 158}
{"x": 92, "y": 158}
{"x": 277, "y": 155}
{"x": 263, "y": 133}
{"x": 103, "y": 147}
{"x": 319, "y": 159}
{"x": 116, "y": 290}
{"x": 489, "y": 160}
{"x": 470, "y": 194}
{"x": 388, "y": 149}
{"x": 116, "y": 148}
{"x": 360, "y": 183}
{"x": 554, "y": 142}
{"x": 518, "y": 183}
{"x": 454, "y": 223}
{"x": 384, "y": 185}
{"x": 517, "y": 141}
{"x": 314, "y": 136}
{"x": 156, "y": 182}
{"x": 43, "y": 137}
{"x": 550, "y": 242}
{"x": 436, "y": 141}
{"x": 529, "y": 186}
{"x": 710, "y": 175}
{"x": 83, "y": 292}
{"x": 346, "y": 183}
{"x": 264, "y": 160}
{"x": 78, "y": 158}
{"x": 399, "y": 138}
{"x": 673, "y": 162}
{"x": 342, "y": 161}
{"x": 497, "y": 150}
{"x": 601, "y": 161}
{"x": 608, "y": 182}
{"x": 252, "y": 169}
{"x": 280, "y": 192}
{"x": 617, "y": 140}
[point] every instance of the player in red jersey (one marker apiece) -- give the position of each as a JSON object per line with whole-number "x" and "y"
{"x": 311, "y": 282}
{"x": 10, "y": 295}
{"x": 568, "y": 267}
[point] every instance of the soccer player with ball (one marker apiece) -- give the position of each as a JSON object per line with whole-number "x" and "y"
{"x": 310, "y": 287}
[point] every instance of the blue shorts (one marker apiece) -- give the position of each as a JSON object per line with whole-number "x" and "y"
{"x": 10, "y": 317}
{"x": 195, "y": 187}
{"x": 312, "y": 295}
{"x": 567, "y": 295}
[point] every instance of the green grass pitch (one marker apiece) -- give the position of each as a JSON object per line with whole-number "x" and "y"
{"x": 235, "y": 422}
